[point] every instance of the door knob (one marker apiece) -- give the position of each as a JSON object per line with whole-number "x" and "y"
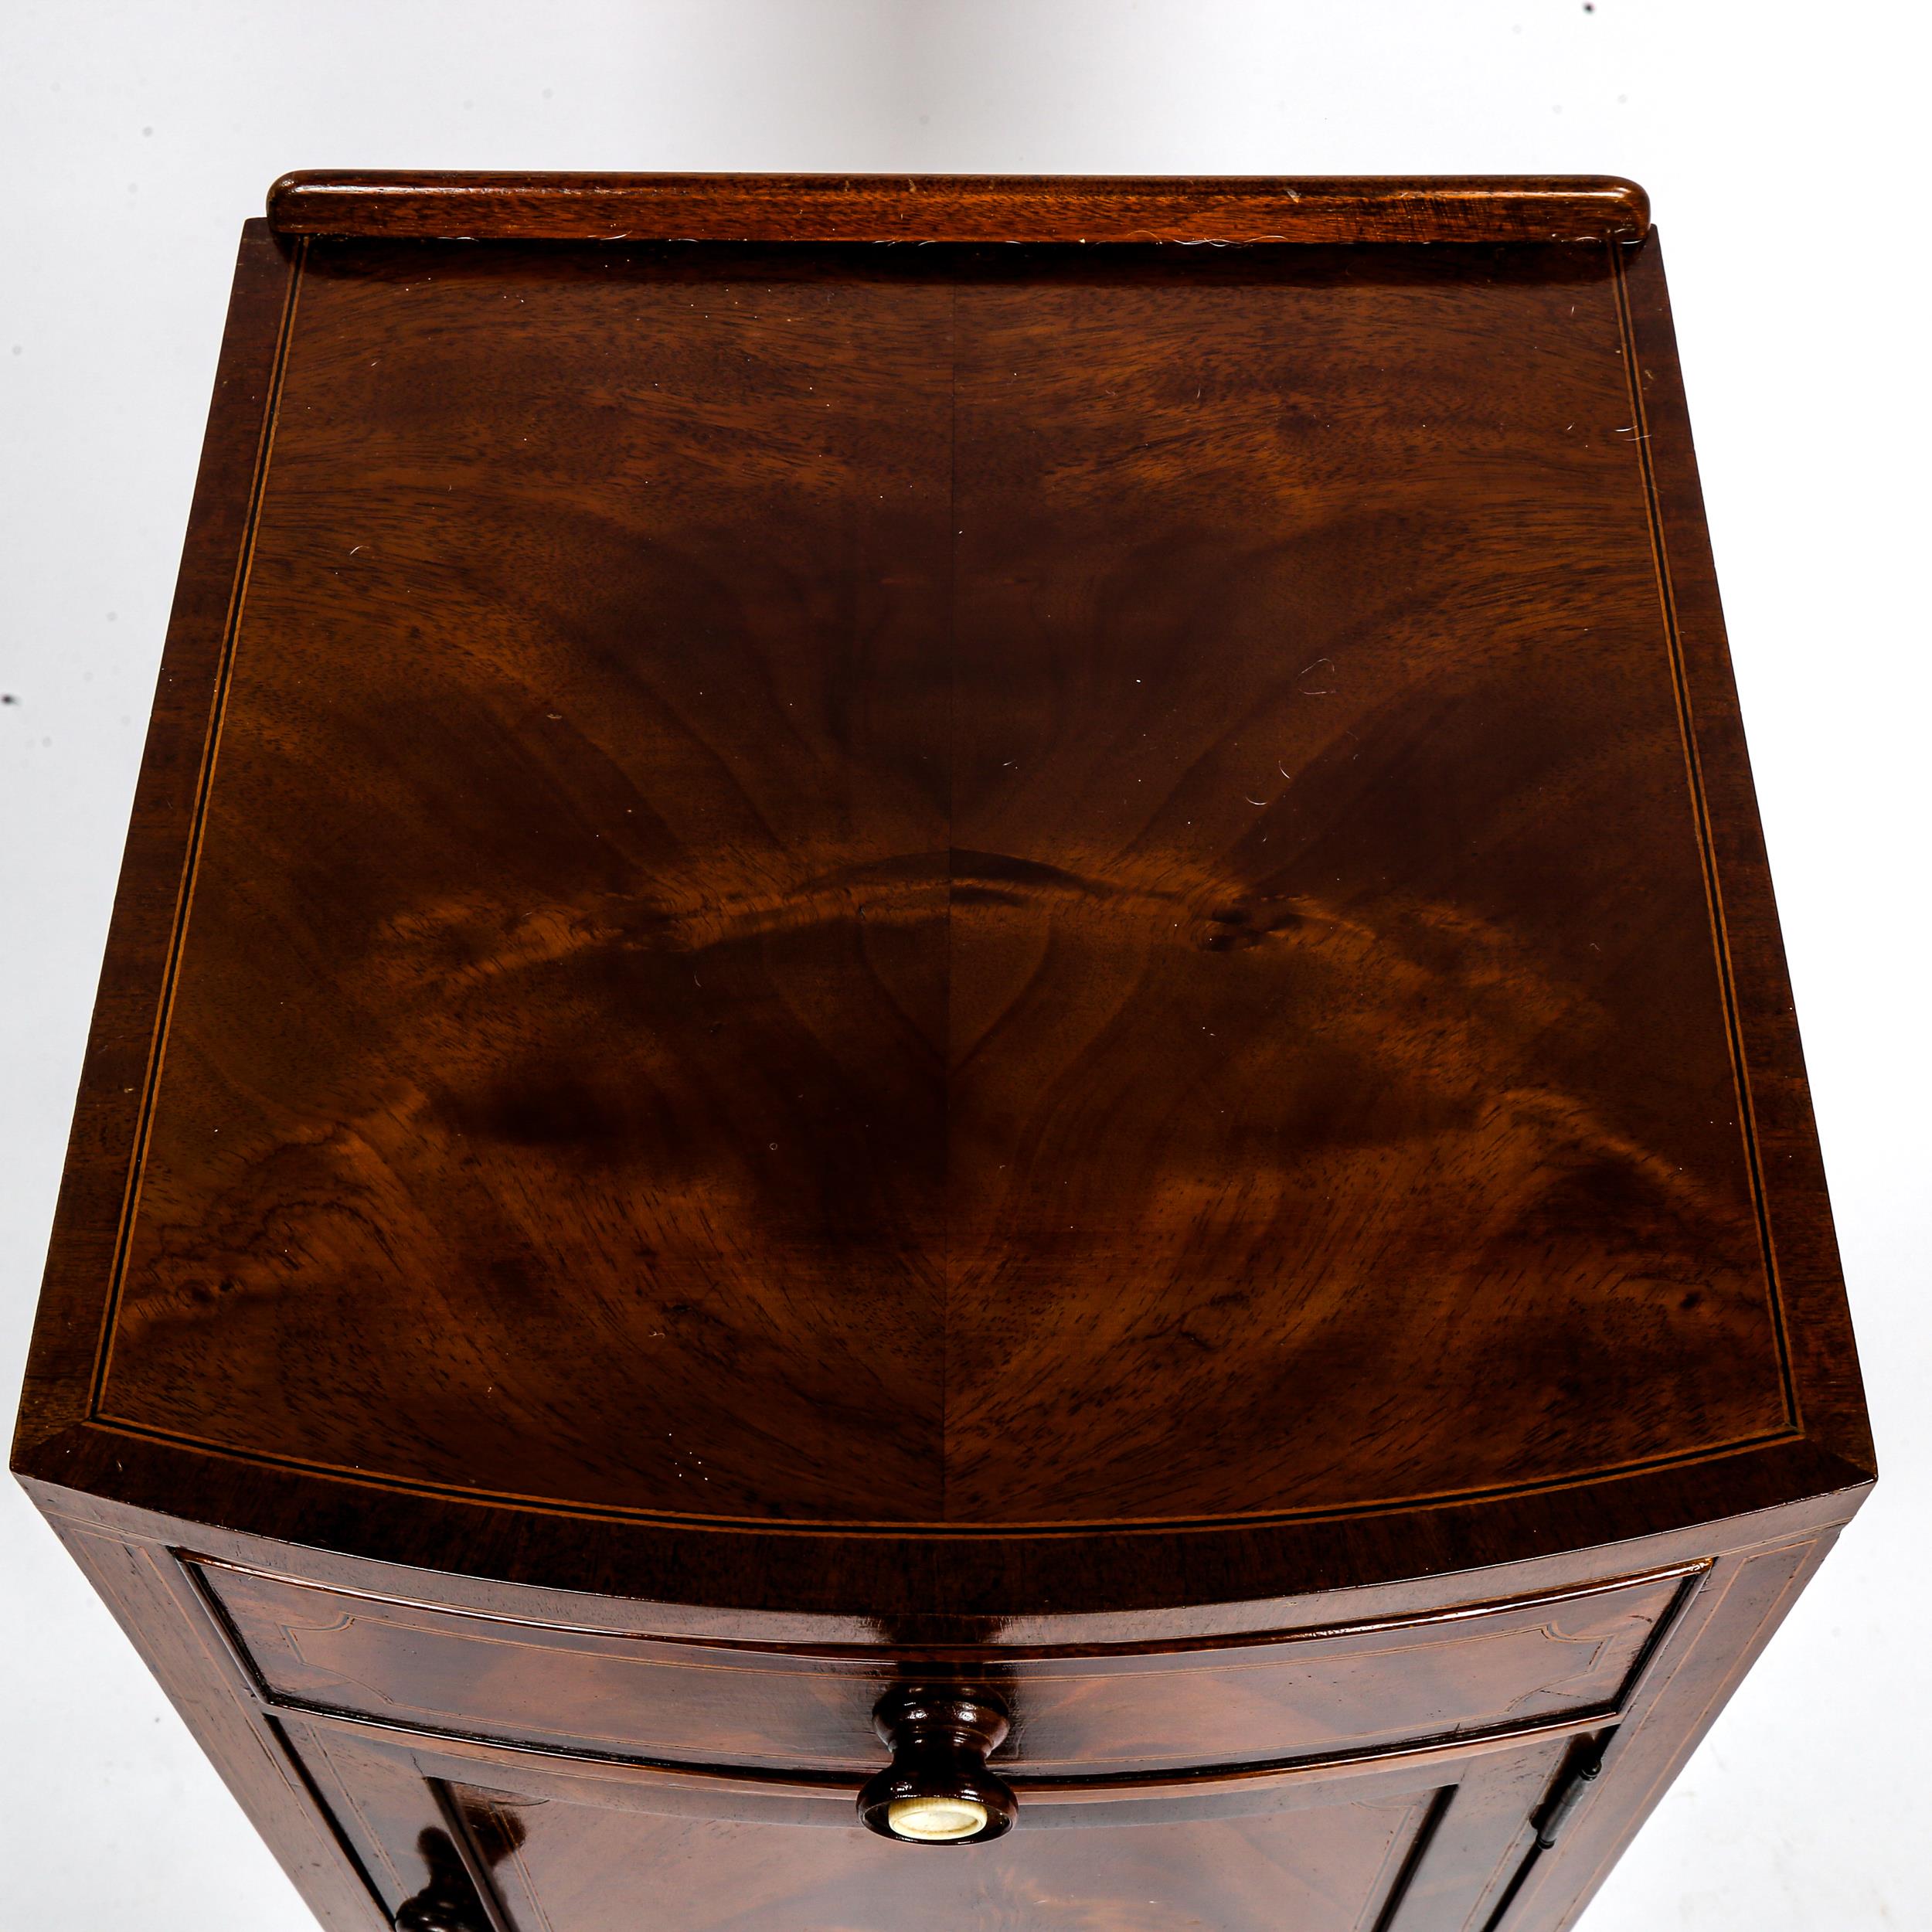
{"x": 448, "y": 1903}
{"x": 937, "y": 1790}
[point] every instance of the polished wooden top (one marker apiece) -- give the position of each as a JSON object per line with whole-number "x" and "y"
{"x": 1092, "y": 909}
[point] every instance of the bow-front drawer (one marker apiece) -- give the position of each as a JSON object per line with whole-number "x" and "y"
{"x": 1305, "y": 1694}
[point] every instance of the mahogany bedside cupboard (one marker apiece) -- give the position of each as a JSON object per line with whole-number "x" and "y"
{"x": 944, "y": 1080}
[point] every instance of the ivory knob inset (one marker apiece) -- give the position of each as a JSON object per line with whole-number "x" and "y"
{"x": 936, "y": 1820}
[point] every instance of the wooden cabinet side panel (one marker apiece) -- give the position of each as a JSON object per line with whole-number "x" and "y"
{"x": 1717, "y": 1640}
{"x": 141, "y": 1584}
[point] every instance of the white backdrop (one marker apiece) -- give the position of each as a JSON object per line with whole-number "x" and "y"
{"x": 1776, "y": 142}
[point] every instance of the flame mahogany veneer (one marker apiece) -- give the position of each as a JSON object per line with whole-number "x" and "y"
{"x": 886, "y": 933}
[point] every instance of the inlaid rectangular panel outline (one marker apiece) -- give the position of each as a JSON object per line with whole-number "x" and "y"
{"x": 1688, "y": 1580}
{"x": 1420, "y": 1816}
{"x": 99, "y": 1416}
{"x": 1707, "y": 855}
{"x": 190, "y": 859}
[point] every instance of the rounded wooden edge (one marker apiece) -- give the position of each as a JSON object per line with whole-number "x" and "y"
{"x": 959, "y": 208}
{"x": 1076, "y": 1590}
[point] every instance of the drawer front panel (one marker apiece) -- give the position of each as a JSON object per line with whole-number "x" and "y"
{"x": 1303, "y": 1694}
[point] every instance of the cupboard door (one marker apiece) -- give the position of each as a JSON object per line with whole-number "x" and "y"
{"x": 463, "y": 1838}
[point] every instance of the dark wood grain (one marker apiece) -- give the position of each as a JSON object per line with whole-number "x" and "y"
{"x": 1325, "y": 1870}
{"x": 1288, "y": 1694}
{"x": 1039, "y": 970}
{"x": 972, "y": 944}
{"x": 561, "y": 1841}
{"x": 955, "y": 207}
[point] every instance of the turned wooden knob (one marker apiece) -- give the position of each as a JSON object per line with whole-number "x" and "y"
{"x": 448, "y": 1903}
{"x": 937, "y": 1790}
{"x": 433, "y": 1911}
